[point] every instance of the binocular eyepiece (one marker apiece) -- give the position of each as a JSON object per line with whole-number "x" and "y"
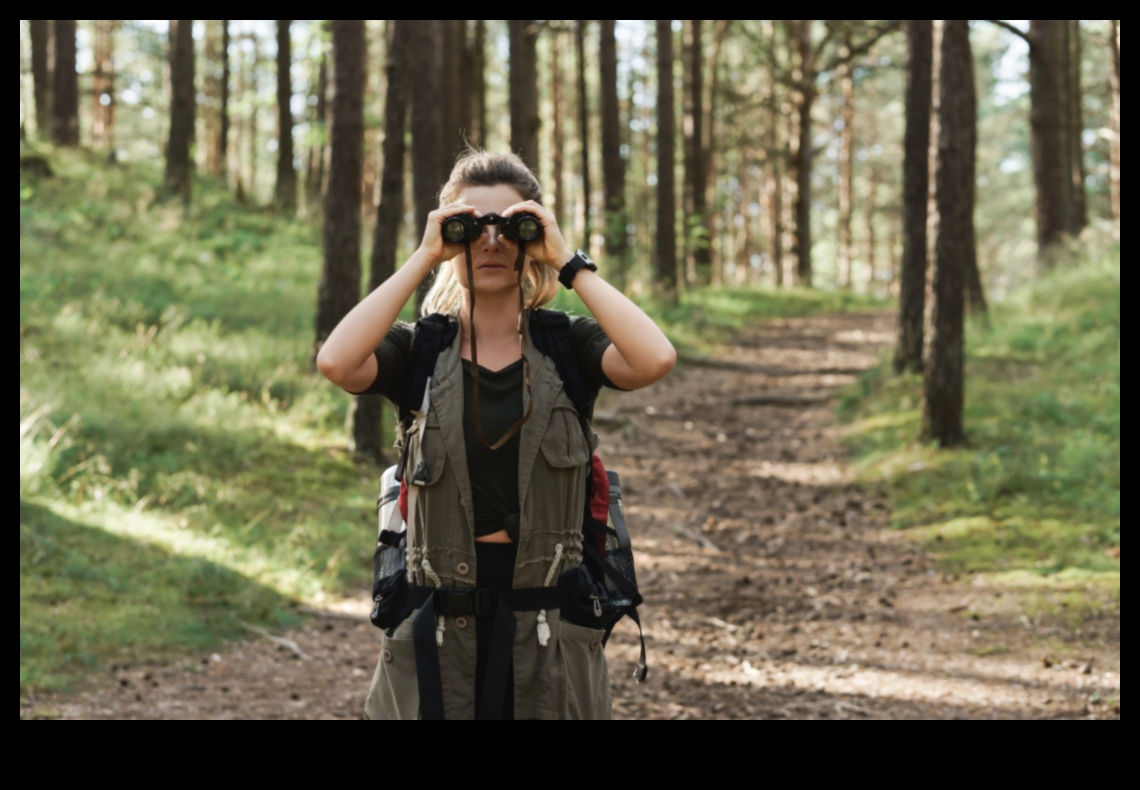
{"x": 517, "y": 227}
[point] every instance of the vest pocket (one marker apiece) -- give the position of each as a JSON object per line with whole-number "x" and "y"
{"x": 427, "y": 456}
{"x": 394, "y": 693}
{"x": 578, "y": 676}
{"x": 563, "y": 444}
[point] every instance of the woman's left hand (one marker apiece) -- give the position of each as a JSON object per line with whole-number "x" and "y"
{"x": 553, "y": 251}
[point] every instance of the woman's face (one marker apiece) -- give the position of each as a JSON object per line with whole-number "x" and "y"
{"x": 492, "y": 256}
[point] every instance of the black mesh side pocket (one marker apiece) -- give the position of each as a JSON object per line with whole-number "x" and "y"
{"x": 390, "y": 605}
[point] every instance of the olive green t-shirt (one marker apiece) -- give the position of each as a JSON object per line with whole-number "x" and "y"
{"x": 494, "y": 474}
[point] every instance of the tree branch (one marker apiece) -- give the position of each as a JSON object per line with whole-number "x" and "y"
{"x": 1016, "y": 31}
{"x": 862, "y": 48}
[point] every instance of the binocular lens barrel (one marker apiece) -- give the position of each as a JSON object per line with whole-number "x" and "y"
{"x": 528, "y": 228}
{"x": 454, "y": 230}
{"x": 464, "y": 227}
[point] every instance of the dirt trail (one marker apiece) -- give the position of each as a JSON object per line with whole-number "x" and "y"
{"x": 773, "y": 587}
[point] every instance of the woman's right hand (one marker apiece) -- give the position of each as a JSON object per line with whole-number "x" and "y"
{"x": 433, "y": 244}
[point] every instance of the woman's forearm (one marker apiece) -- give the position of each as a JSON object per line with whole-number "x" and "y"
{"x": 643, "y": 353}
{"x": 349, "y": 347}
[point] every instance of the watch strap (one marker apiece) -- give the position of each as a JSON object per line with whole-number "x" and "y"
{"x": 570, "y": 270}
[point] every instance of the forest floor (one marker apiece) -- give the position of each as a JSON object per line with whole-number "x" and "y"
{"x": 774, "y": 586}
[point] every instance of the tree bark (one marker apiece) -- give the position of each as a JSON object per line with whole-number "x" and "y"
{"x": 954, "y": 185}
{"x": 1080, "y": 213}
{"x": 223, "y": 141}
{"x": 613, "y": 168}
{"x": 1114, "y": 155}
{"x": 251, "y": 91}
{"x": 466, "y": 80}
{"x": 524, "y": 90}
{"x": 427, "y": 126}
{"x": 666, "y": 247}
{"x": 65, "y": 86}
{"x": 340, "y": 279}
{"x": 368, "y": 421}
{"x": 285, "y": 193}
{"x": 479, "y": 89}
{"x": 804, "y": 155}
{"x": 846, "y": 174}
{"x": 558, "y": 105}
{"x": 697, "y": 241}
{"x": 314, "y": 186}
{"x": 1049, "y": 126}
{"x": 182, "y": 105}
{"x": 40, "y": 30}
{"x": 712, "y": 154}
{"x": 103, "y": 84}
{"x": 584, "y": 131}
{"x": 774, "y": 162}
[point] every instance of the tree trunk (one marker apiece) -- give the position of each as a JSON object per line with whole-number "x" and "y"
{"x": 711, "y": 154}
{"x": 1080, "y": 211}
{"x": 1049, "y": 123}
{"x": 666, "y": 258}
{"x": 584, "y": 131}
{"x": 316, "y": 180}
{"x": 774, "y": 162}
{"x": 558, "y": 107}
{"x": 223, "y": 142}
{"x": 453, "y": 92}
{"x": 954, "y": 186}
{"x": 524, "y": 90}
{"x": 846, "y": 146}
{"x": 211, "y": 94}
{"x": 41, "y": 30}
{"x": 103, "y": 87}
{"x": 368, "y": 419}
{"x": 285, "y": 194}
{"x": 479, "y": 85}
{"x": 251, "y": 90}
{"x": 340, "y": 279}
{"x": 427, "y": 125}
{"x": 466, "y": 81}
{"x": 697, "y": 241}
{"x": 804, "y": 155}
{"x": 870, "y": 208}
{"x": 916, "y": 145}
{"x": 613, "y": 168}
{"x": 65, "y": 86}
{"x": 1114, "y": 156}
{"x": 182, "y": 105}
{"x": 932, "y": 217}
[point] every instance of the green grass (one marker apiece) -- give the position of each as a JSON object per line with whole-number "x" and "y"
{"x": 1033, "y": 499}
{"x": 182, "y": 467}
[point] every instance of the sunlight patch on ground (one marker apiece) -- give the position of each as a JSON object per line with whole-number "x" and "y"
{"x": 797, "y": 472}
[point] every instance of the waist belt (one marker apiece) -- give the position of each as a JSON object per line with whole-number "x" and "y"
{"x": 480, "y": 602}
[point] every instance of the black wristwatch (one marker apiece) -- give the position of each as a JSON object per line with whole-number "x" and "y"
{"x": 580, "y": 261}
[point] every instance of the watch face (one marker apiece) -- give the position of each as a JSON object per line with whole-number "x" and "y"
{"x": 586, "y": 258}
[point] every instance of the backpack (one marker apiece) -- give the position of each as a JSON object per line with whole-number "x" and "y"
{"x": 603, "y": 588}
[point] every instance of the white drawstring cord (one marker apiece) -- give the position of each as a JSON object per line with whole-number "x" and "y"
{"x": 543, "y": 627}
{"x": 440, "y": 620}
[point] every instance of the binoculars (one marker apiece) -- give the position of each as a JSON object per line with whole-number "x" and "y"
{"x": 517, "y": 227}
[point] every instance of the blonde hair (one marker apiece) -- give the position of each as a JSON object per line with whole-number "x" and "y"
{"x": 476, "y": 168}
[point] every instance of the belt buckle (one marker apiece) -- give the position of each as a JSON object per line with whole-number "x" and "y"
{"x": 484, "y": 602}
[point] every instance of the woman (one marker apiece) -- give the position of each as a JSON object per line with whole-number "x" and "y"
{"x": 499, "y": 457}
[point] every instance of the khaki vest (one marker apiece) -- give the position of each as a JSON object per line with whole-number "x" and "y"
{"x": 566, "y": 678}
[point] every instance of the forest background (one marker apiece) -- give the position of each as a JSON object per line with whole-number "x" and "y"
{"x": 191, "y": 228}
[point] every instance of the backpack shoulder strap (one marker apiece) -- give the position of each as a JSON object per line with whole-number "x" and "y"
{"x": 550, "y": 331}
{"x": 430, "y": 336}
